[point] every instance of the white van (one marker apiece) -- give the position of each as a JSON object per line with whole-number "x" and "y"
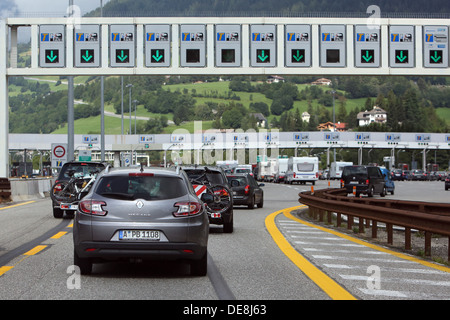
{"x": 336, "y": 169}
{"x": 267, "y": 169}
{"x": 302, "y": 170}
{"x": 280, "y": 175}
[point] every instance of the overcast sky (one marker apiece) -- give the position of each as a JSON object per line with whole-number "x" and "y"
{"x": 45, "y": 6}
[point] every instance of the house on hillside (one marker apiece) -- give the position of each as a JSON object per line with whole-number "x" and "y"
{"x": 306, "y": 116}
{"x": 376, "y": 115}
{"x": 275, "y": 79}
{"x": 321, "y": 82}
{"x": 260, "y": 119}
{"x": 328, "y": 126}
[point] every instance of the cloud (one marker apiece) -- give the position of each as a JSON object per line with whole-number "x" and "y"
{"x": 7, "y": 8}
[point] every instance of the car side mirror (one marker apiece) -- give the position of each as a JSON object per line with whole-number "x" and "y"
{"x": 207, "y": 198}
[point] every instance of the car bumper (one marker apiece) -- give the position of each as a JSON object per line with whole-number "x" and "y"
{"x": 239, "y": 200}
{"x": 145, "y": 251}
{"x": 359, "y": 188}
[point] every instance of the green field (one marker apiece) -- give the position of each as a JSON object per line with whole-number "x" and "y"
{"x": 209, "y": 92}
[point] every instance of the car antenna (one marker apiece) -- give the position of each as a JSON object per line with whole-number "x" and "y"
{"x": 142, "y": 167}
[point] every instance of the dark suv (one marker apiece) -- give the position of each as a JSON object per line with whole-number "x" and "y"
{"x": 365, "y": 179}
{"x": 215, "y": 176}
{"x": 84, "y": 167}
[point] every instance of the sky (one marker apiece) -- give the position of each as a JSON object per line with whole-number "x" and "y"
{"x": 45, "y": 6}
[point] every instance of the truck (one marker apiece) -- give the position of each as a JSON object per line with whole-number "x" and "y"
{"x": 267, "y": 170}
{"x": 336, "y": 169}
{"x": 280, "y": 175}
{"x": 302, "y": 170}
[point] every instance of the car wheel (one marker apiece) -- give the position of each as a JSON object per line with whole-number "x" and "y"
{"x": 85, "y": 264}
{"x": 261, "y": 203}
{"x": 371, "y": 191}
{"x": 200, "y": 267}
{"x": 251, "y": 205}
{"x": 228, "y": 226}
{"x": 58, "y": 213}
{"x": 383, "y": 192}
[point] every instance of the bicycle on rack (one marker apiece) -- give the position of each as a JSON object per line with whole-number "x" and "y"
{"x": 67, "y": 192}
{"x": 218, "y": 198}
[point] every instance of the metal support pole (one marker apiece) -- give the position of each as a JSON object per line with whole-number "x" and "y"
{"x": 4, "y": 103}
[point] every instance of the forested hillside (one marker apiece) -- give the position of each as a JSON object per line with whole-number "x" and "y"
{"x": 243, "y": 7}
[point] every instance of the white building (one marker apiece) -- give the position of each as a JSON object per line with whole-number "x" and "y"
{"x": 376, "y": 115}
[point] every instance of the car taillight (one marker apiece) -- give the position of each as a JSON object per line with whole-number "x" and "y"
{"x": 92, "y": 207}
{"x": 317, "y": 175}
{"x": 367, "y": 181}
{"x": 187, "y": 209}
{"x": 247, "y": 189}
{"x": 294, "y": 174}
{"x": 140, "y": 174}
{"x": 222, "y": 192}
{"x": 342, "y": 183}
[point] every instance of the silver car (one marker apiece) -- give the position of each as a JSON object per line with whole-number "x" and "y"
{"x": 144, "y": 214}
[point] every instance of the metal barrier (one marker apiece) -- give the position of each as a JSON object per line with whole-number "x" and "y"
{"x": 431, "y": 218}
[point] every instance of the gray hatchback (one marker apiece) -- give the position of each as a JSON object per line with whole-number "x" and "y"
{"x": 144, "y": 214}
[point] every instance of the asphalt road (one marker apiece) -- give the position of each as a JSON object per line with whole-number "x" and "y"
{"x": 271, "y": 255}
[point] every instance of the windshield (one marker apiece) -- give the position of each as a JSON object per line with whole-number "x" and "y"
{"x": 354, "y": 171}
{"x": 214, "y": 177}
{"x": 144, "y": 187}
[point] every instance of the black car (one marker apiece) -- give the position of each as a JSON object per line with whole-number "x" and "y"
{"x": 215, "y": 176}
{"x": 447, "y": 182}
{"x": 246, "y": 191}
{"x": 365, "y": 179}
{"x": 418, "y": 174}
{"x": 397, "y": 174}
{"x": 81, "y": 167}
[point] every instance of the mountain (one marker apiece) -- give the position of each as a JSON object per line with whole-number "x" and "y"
{"x": 266, "y": 7}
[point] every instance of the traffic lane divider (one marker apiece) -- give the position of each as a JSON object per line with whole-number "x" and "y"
{"x": 328, "y": 285}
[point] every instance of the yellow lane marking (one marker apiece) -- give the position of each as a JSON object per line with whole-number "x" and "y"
{"x": 58, "y": 235}
{"x": 4, "y": 269}
{"x": 287, "y": 213}
{"x": 34, "y": 250}
{"x": 334, "y": 290}
{"x": 17, "y": 205}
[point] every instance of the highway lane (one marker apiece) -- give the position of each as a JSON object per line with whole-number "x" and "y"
{"x": 245, "y": 265}
{"x": 247, "y": 262}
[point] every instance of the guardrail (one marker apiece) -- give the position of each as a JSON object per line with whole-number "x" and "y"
{"x": 431, "y": 218}
{"x": 5, "y": 189}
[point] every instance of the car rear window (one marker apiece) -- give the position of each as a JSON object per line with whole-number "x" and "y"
{"x": 355, "y": 171}
{"x": 143, "y": 187}
{"x": 214, "y": 177}
{"x": 237, "y": 181}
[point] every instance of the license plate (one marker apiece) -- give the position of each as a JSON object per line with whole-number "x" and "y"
{"x": 65, "y": 206}
{"x": 353, "y": 182}
{"x": 139, "y": 235}
{"x": 234, "y": 193}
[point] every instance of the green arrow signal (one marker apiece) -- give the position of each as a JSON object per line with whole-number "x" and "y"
{"x": 367, "y": 57}
{"x": 402, "y": 57}
{"x": 262, "y": 56}
{"x": 436, "y": 58}
{"x": 52, "y": 57}
{"x": 122, "y": 56}
{"x": 87, "y": 57}
{"x": 297, "y": 56}
{"x": 158, "y": 56}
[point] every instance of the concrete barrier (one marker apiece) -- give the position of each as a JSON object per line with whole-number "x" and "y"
{"x": 30, "y": 189}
